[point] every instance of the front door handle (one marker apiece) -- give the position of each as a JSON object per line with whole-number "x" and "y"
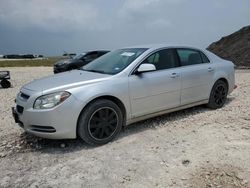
{"x": 210, "y": 69}
{"x": 174, "y": 75}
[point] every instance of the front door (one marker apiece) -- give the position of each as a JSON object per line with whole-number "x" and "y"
{"x": 158, "y": 90}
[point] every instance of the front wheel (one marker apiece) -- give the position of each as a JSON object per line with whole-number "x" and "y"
{"x": 100, "y": 122}
{"x": 218, "y": 95}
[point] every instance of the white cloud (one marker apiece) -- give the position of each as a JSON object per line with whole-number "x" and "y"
{"x": 151, "y": 14}
{"x": 78, "y": 15}
{"x": 113, "y": 23}
{"x": 140, "y": 4}
{"x": 159, "y": 24}
{"x": 51, "y": 15}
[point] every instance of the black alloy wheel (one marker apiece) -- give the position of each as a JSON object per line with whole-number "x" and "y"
{"x": 103, "y": 123}
{"x": 218, "y": 95}
{"x": 100, "y": 122}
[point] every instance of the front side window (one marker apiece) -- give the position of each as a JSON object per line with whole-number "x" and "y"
{"x": 189, "y": 57}
{"x": 163, "y": 59}
{"x": 115, "y": 61}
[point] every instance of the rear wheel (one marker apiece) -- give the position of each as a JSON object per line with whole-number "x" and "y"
{"x": 218, "y": 95}
{"x": 100, "y": 122}
{"x": 5, "y": 83}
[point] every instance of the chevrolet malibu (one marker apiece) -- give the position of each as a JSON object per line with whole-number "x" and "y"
{"x": 120, "y": 88}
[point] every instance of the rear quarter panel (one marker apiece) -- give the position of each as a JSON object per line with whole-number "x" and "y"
{"x": 223, "y": 69}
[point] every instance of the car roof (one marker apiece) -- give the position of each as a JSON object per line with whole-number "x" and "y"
{"x": 95, "y": 51}
{"x": 157, "y": 46}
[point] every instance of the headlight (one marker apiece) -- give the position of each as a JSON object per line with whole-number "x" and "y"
{"x": 50, "y": 100}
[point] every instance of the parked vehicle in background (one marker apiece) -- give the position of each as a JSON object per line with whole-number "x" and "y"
{"x": 69, "y": 55}
{"x": 4, "y": 77}
{"x": 78, "y": 61}
{"x": 120, "y": 88}
{"x": 22, "y": 56}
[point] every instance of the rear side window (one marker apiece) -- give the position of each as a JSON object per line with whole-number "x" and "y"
{"x": 189, "y": 57}
{"x": 204, "y": 58}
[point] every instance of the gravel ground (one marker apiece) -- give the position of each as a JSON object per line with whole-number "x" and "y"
{"x": 197, "y": 147}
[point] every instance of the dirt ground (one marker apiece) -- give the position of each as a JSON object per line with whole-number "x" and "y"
{"x": 197, "y": 147}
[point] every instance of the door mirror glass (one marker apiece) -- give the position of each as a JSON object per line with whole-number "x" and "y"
{"x": 146, "y": 67}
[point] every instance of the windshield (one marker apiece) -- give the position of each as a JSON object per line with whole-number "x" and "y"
{"x": 79, "y": 56}
{"x": 115, "y": 61}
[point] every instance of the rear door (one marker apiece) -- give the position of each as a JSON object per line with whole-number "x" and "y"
{"x": 196, "y": 75}
{"x": 157, "y": 90}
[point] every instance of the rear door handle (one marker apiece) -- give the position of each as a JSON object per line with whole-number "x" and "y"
{"x": 174, "y": 75}
{"x": 210, "y": 69}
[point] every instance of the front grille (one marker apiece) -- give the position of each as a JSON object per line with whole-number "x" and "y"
{"x": 24, "y": 96}
{"x": 44, "y": 129}
{"x": 19, "y": 109}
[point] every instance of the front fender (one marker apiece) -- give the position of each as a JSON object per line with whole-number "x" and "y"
{"x": 115, "y": 88}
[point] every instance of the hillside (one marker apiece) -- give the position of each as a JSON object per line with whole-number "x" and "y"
{"x": 234, "y": 47}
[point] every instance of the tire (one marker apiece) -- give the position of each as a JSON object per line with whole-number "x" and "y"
{"x": 100, "y": 122}
{"x": 218, "y": 95}
{"x": 5, "y": 83}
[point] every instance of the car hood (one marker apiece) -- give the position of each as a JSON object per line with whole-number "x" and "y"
{"x": 64, "y": 62}
{"x": 65, "y": 81}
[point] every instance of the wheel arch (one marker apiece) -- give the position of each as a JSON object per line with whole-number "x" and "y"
{"x": 114, "y": 99}
{"x": 225, "y": 74}
{"x": 224, "y": 80}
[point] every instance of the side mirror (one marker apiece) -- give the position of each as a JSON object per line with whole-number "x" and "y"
{"x": 146, "y": 67}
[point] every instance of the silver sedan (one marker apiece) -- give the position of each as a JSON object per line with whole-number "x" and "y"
{"x": 120, "y": 88}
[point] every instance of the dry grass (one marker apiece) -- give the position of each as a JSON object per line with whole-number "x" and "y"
{"x": 30, "y": 63}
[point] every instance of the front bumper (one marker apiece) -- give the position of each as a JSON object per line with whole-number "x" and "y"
{"x": 59, "y": 122}
{"x": 16, "y": 117}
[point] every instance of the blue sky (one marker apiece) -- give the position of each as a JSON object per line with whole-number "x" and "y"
{"x": 51, "y": 26}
